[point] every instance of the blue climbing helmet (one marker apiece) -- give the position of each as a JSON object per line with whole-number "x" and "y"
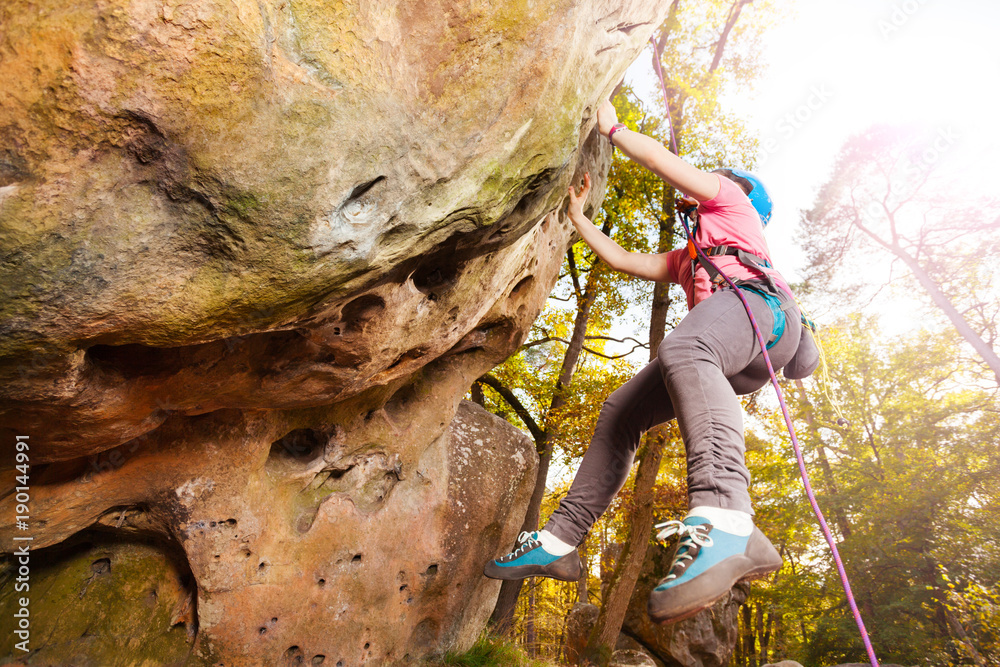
{"x": 759, "y": 196}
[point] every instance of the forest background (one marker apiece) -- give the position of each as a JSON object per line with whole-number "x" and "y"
{"x": 899, "y": 427}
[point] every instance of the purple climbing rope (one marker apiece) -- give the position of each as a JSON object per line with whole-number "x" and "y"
{"x": 781, "y": 398}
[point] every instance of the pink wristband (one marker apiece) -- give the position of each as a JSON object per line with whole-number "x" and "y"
{"x": 611, "y": 132}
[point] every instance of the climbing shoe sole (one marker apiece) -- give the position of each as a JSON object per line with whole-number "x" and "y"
{"x": 565, "y": 568}
{"x": 685, "y": 600}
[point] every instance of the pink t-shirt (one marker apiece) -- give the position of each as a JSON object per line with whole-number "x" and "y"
{"x": 728, "y": 219}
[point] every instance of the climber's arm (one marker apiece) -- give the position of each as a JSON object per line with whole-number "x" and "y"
{"x": 640, "y": 265}
{"x": 653, "y": 155}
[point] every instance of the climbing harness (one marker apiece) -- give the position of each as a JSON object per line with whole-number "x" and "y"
{"x": 777, "y": 299}
{"x": 703, "y": 257}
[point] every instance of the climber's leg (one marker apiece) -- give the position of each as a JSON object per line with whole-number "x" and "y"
{"x": 633, "y": 408}
{"x": 711, "y": 355}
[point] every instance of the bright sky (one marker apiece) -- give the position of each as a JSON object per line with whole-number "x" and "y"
{"x": 836, "y": 68}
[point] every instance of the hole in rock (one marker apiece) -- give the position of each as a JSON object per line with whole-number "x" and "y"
{"x": 356, "y": 559}
{"x": 415, "y": 353}
{"x": 436, "y": 278}
{"x": 425, "y": 634}
{"x": 628, "y": 28}
{"x": 293, "y": 656}
{"x": 525, "y": 282}
{"x": 318, "y": 659}
{"x": 144, "y": 140}
{"x": 432, "y": 570}
{"x": 360, "y": 189}
{"x": 262, "y": 630}
{"x": 133, "y": 359}
{"x": 13, "y": 168}
{"x": 101, "y": 566}
{"x": 231, "y": 522}
{"x": 274, "y": 619}
{"x": 321, "y": 582}
{"x": 359, "y": 311}
{"x": 339, "y": 473}
{"x": 340, "y": 663}
{"x": 499, "y": 233}
{"x": 402, "y": 588}
{"x": 367, "y": 645}
{"x": 527, "y": 206}
{"x": 300, "y": 445}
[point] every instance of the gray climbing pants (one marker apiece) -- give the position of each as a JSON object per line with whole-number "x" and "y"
{"x": 700, "y": 368}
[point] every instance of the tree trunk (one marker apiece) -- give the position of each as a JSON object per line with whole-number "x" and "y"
{"x": 828, "y": 481}
{"x": 762, "y": 653}
{"x": 942, "y": 301}
{"x": 529, "y": 624}
{"x": 661, "y": 298}
{"x": 939, "y": 298}
{"x": 605, "y": 633}
{"x": 503, "y": 613}
{"x": 961, "y": 635}
{"x": 765, "y": 642}
{"x": 581, "y": 586}
{"x": 477, "y": 394}
{"x": 749, "y": 651}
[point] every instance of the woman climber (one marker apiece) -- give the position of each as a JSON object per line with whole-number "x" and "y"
{"x": 702, "y": 365}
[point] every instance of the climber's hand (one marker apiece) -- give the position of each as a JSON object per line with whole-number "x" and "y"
{"x": 576, "y": 201}
{"x": 606, "y": 117}
{"x": 687, "y": 205}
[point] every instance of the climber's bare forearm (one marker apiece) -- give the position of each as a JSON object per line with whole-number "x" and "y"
{"x": 653, "y": 155}
{"x": 640, "y": 265}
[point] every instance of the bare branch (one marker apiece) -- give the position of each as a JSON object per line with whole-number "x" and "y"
{"x": 536, "y": 432}
{"x": 720, "y": 46}
{"x": 556, "y": 339}
{"x": 617, "y": 340}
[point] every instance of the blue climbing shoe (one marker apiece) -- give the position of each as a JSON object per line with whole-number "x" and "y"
{"x": 707, "y": 563}
{"x": 530, "y": 559}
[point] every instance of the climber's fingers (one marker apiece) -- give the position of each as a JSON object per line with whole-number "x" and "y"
{"x": 606, "y": 117}
{"x": 584, "y": 190}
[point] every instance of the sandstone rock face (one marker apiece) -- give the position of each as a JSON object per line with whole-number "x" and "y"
{"x": 252, "y": 255}
{"x": 705, "y": 639}
{"x": 320, "y": 568}
{"x": 579, "y": 623}
{"x": 630, "y": 658}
